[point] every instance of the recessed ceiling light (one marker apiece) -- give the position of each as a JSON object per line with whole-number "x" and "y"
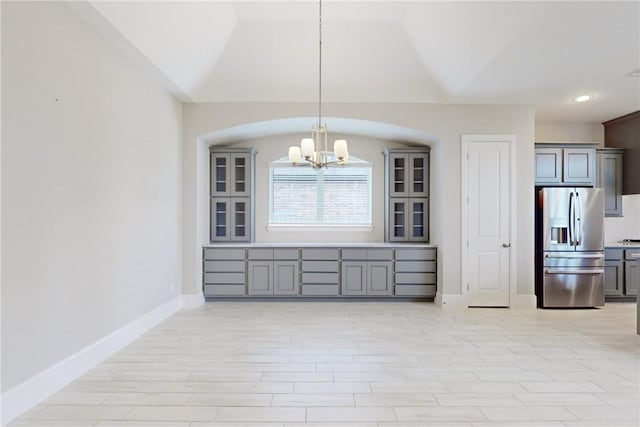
{"x": 582, "y": 98}
{"x": 634, "y": 73}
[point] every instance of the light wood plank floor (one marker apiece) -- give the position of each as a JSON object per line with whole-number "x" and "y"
{"x": 363, "y": 364}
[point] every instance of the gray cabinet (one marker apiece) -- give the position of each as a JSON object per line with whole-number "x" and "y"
{"x": 273, "y": 272}
{"x": 620, "y": 276}
{"x": 565, "y": 165}
{"x": 407, "y": 195}
{"x": 367, "y": 272}
{"x": 231, "y": 191}
{"x": 408, "y": 220}
{"x": 320, "y": 271}
{"x": 609, "y": 178}
{"x": 613, "y": 277}
{"x": 224, "y": 272}
{"x": 631, "y": 276}
{"x": 415, "y": 272}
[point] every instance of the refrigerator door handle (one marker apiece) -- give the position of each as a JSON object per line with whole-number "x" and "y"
{"x": 590, "y": 271}
{"x": 571, "y": 212}
{"x": 578, "y": 217}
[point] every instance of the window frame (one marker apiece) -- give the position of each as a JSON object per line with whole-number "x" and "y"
{"x": 353, "y": 163}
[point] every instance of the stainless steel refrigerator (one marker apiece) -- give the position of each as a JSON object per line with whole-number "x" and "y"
{"x": 570, "y": 247}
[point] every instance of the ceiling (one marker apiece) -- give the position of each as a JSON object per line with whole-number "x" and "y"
{"x": 513, "y": 52}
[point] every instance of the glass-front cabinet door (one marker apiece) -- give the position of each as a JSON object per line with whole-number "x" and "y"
{"x": 399, "y": 227}
{"x": 398, "y": 175}
{"x": 219, "y": 175}
{"x": 220, "y": 219}
{"x": 240, "y": 219}
{"x": 240, "y": 175}
{"x": 419, "y": 209}
{"x": 418, "y": 175}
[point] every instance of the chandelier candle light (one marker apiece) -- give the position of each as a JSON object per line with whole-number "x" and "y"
{"x": 314, "y": 150}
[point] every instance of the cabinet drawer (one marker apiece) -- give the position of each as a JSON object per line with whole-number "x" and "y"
{"x": 319, "y": 254}
{"x": 416, "y": 290}
{"x": 380, "y": 254}
{"x": 327, "y": 278}
{"x": 416, "y": 254}
{"x": 320, "y": 266}
{"x": 223, "y": 290}
{"x": 224, "y": 278}
{"x": 415, "y": 266}
{"x": 266, "y": 254}
{"x": 223, "y": 253}
{"x": 416, "y": 278}
{"x": 224, "y": 266}
{"x": 287, "y": 254}
{"x": 354, "y": 254}
{"x": 320, "y": 290}
{"x": 613, "y": 254}
{"x": 628, "y": 254}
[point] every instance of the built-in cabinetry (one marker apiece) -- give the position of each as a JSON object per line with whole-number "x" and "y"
{"x": 320, "y": 271}
{"x": 620, "y": 278}
{"x": 558, "y": 164}
{"x": 273, "y": 271}
{"x": 367, "y": 271}
{"x": 231, "y": 192}
{"x": 224, "y": 271}
{"x": 609, "y": 177}
{"x": 407, "y": 195}
{"x": 375, "y": 271}
{"x": 415, "y": 272}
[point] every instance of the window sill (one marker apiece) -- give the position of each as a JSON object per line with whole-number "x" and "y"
{"x": 319, "y": 227}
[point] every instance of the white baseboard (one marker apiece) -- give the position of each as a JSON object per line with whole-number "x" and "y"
{"x": 192, "y": 300}
{"x": 451, "y": 301}
{"x": 24, "y": 396}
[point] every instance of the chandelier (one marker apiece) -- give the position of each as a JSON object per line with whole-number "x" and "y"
{"x": 314, "y": 151}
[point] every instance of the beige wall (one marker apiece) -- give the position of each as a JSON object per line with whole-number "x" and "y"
{"x": 447, "y": 123}
{"x": 569, "y": 132}
{"x": 91, "y": 160}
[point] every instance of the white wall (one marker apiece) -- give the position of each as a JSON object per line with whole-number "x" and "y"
{"x": 447, "y": 122}
{"x": 569, "y": 132}
{"x": 90, "y": 190}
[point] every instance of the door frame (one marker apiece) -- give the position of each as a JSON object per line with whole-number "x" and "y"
{"x": 465, "y": 141}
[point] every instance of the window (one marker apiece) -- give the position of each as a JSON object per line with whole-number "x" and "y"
{"x": 332, "y": 196}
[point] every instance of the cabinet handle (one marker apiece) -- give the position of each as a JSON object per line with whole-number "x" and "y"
{"x": 506, "y": 245}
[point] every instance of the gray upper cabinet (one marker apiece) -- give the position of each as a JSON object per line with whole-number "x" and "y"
{"x": 609, "y": 178}
{"x": 407, "y": 195}
{"x": 231, "y": 191}
{"x": 565, "y": 165}
{"x": 548, "y": 165}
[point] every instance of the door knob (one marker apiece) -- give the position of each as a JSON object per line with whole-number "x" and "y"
{"x": 506, "y": 245}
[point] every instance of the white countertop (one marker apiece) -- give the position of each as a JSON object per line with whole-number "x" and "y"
{"x": 319, "y": 245}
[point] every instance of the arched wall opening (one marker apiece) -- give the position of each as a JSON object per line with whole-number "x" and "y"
{"x": 271, "y": 139}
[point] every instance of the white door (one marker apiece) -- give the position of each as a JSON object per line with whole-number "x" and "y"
{"x": 487, "y": 219}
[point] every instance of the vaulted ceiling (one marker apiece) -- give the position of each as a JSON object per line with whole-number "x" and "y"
{"x": 540, "y": 53}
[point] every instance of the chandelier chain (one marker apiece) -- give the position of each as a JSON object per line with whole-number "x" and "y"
{"x": 320, "y": 65}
